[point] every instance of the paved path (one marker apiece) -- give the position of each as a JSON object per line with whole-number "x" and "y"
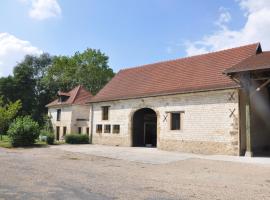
{"x": 152, "y": 155}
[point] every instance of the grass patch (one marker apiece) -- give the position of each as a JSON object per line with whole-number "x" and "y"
{"x": 59, "y": 142}
{"x": 5, "y": 142}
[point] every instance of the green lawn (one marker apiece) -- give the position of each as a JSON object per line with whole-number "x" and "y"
{"x": 5, "y": 142}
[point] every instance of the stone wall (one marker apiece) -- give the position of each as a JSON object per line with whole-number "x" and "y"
{"x": 69, "y": 116}
{"x": 209, "y": 120}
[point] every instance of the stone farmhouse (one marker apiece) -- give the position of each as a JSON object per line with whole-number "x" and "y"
{"x": 215, "y": 103}
{"x": 69, "y": 113}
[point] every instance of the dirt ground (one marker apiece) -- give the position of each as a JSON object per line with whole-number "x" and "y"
{"x": 47, "y": 173}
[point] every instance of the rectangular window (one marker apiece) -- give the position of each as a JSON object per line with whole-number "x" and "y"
{"x": 107, "y": 128}
{"x": 105, "y": 112}
{"x": 79, "y": 130}
{"x": 64, "y": 131}
{"x": 99, "y": 128}
{"x": 116, "y": 128}
{"x": 176, "y": 121}
{"x": 87, "y": 131}
{"x": 58, "y": 115}
{"x": 57, "y": 132}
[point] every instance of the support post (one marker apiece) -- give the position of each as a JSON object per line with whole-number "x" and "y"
{"x": 249, "y": 152}
{"x": 247, "y": 86}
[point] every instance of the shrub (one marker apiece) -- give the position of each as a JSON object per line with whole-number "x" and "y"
{"x": 49, "y": 136}
{"x": 76, "y": 139}
{"x": 23, "y": 131}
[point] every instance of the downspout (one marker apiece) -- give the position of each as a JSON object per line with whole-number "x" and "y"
{"x": 92, "y": 122}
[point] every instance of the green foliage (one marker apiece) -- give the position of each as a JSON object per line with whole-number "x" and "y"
{"x": 48, "y": 123}
{"x": 5, "y": 142}
{"x": 26, "y": 85}
{"x": 23, "y": 131}
{"x": 89, "y": 69}
{"x": 7, "y": 113}
{"x": 37, "y": 79}
{"x": 76, "y": 139}
{"x": 49, "y": 136}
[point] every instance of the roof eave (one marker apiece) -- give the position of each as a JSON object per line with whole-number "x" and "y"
{"x": 164, "y": 94}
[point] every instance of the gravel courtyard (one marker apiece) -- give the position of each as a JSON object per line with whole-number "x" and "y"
{"x": 54, "y": 173}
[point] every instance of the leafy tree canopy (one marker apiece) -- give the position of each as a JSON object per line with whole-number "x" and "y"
{"x": 89, "y": 69}
{"x": 37, "y": 79}
{"x": 7, "y": 113}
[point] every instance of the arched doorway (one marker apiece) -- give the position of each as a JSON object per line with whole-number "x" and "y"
{"x": 144, "y": 131}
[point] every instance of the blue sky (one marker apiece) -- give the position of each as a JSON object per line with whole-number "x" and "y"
{"x": 130, "y": 32}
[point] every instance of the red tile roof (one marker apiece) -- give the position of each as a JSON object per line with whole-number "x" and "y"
{"x": 196, "y": 73}
{"x": 259, "y": 61}
{"x": 78, "y": 95}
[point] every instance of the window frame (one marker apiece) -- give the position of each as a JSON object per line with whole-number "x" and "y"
{"x": 58, "y": 114}
{"x": 180, "y": 120}
{"x": 64, "y": 130}
{"x": 113, "y": 129}
{"x": 109, "y": 130}
{"x": 80, "y": 130}
{"x": 97, "y": 129}
{"x": 103, "y": 116}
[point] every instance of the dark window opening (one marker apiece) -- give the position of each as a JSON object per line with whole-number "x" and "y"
{"x": 63, "y": 98}
{"x": 79, "y": 130}
{"x": 116, "y": 128}
{"x": 105, "y": 112}
{"x": 87, "y": 131}
{"x": 175, "y": 121}
{"x": 99, "y": 128}
{"x": 58, "y": 115}
{"x": 79, "y": 119}
{"x": 57, "y": 132}
{"x": 64, "y": 131}
{"x": 107, "y": 128}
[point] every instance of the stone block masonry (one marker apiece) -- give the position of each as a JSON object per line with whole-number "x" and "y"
{"x": 209, "y": 121}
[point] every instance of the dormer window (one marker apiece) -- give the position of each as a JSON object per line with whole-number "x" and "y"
{"x": 62, "y": 96}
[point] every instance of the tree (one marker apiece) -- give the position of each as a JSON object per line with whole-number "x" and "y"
{"x": 7, "y": 113}
{"x": 23, "y": 131}
{"x": 37, "y": 79}
{"x": 89, "y": 69}
{"x": 7, "y": 89}
{"x": 26, "y": 85}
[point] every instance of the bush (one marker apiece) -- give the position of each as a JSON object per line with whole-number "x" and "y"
{"x": 76, "y": 139}
{"x": 23, "y": 131}
{"x": 49, "y": 136}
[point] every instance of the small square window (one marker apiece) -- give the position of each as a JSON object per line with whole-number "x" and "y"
{"x": 116, "y": 128}
{"x": 105, "y": 112}
{"x": 99, "y": 128}
{"x": 175, "y": 121}
{"x": 107, "y": 128}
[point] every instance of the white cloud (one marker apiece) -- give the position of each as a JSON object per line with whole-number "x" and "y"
{"x": 43, "y": 9}
{"x": 224, "y": 17}
{"x": 13, "y": 50}
{"x": 255, "y": 29}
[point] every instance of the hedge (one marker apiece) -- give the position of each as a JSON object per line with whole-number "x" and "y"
{"x": 23, "y": 131}
{"x": 76, "y": 139}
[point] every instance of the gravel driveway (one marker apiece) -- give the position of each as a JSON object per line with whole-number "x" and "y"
{"x": 52, "y": 173}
